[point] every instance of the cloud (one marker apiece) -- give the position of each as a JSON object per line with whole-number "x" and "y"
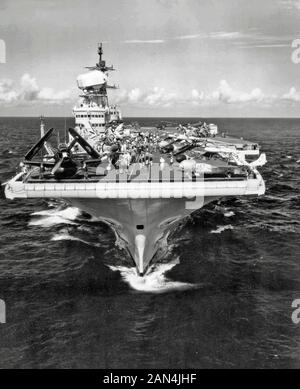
{"x": 266, "y": 46}
{"x": 224, "y": 93}
{"x": 191, "y": 36}
{"x": 226, "y": 35}
{"x": 197, "y": 95}
{"x": 144, "y": 41}
{"x": 28, "y": 91}
{"x": 155, "y": 97}
{"x": 48, "y": 94}
{"x": 244, "y": 40}
{"x": 7, "y": 94}
{"x": 292, "y": 95}
{"x": 290, "y": 4}
{"x": 160, "y": 97}
{"x": 135, "y": 95}
{"x": 221, "y": 35}
{"x": 217, "y": 35}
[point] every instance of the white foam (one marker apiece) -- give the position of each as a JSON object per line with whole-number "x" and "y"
{"x": 50, "y": 221}
{"x": 229, "y": 214}
{"x": 221, "y": 229}
{"x": 55, "y": 216}
{"x": 70, "y": 213}
{"x": 65, "y": 236}
{"x": 154, "y": 281}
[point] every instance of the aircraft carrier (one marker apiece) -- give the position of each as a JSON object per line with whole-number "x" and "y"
{"x": 140, "y": 181}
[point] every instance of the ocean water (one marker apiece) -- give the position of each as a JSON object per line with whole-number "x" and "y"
{"x": 219, "y": 297}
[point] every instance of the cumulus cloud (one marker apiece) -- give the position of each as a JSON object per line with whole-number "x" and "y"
{"x": 197, "y": 97}
{"x": 292, "y": 95}
{"x": 29, "y": 88}
{"x": 159, "y": 96}
{"x": 48, "y": 94}
{"x": 153, "y": 97}
{"x": 227, "y": 94}
{"x": 7, "y": 94}
{"x": 28, "y": 91}
{"x": 135, "y": 95}
{"x": 224, "y": 93}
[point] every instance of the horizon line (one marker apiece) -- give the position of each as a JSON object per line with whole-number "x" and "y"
{"x": 161, "y": 117}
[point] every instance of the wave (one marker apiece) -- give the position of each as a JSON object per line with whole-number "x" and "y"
{"x": 50, "y": 221}
{"x": 273, "y": 198}
{"x": 221, "y": 229}
{"x": 65, "y": 236}
{"x": 229, "y": 214}
{"x": 283, "y": 228}
{"x": 281, "y": 187}
{"x": 154, "y": 281}
{"x": 49, "y": 218}
{"x": 70, "y": 213}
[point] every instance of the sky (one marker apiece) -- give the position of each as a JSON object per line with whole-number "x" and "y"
{"x": 200, "y": 58}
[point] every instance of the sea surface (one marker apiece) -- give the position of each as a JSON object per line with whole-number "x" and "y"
{"x": 219, "y": 298}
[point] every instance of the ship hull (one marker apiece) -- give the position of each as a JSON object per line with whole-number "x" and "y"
{"x": 142, "y": 224}
{"x": 140, "y": 213}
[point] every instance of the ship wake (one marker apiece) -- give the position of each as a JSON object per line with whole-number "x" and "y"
{"x": 64, "y": 235}
{"x": 52, "y": 217}
{"x": 155, "y": 280}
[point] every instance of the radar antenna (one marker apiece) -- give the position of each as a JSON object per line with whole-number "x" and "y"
{"x": 101, "y": 65}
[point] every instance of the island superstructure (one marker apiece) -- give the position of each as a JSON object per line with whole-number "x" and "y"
{"x": 93, "y": 112}
{"x": 140, "y": 181}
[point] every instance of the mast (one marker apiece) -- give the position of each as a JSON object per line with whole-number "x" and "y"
{"x": 42, "y": 126}
{"x": 99, "y": 90}
{"x": 101, "y": 65}
{"x": 103, "y": 68}
{"x": 100, "y": 53}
